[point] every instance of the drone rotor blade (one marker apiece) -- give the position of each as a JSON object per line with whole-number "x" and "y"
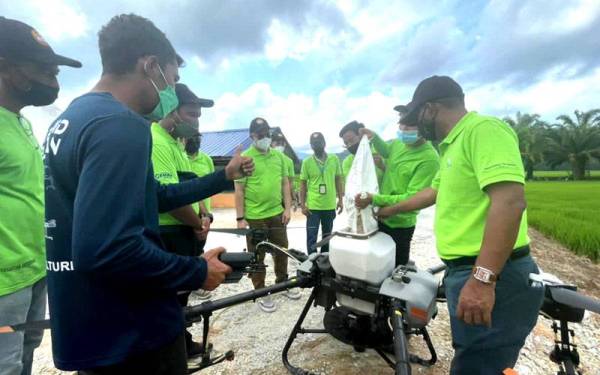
{"x": 574, "y": 299}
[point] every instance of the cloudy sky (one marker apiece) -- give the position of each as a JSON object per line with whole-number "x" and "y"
{"x": 316, "y": 65}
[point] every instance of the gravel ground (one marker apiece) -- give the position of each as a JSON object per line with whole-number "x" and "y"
{"x": 257, "y": 338}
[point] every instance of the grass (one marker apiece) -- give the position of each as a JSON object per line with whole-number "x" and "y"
{"x": 569, "y": 212}
{"x": 561, "y": 174}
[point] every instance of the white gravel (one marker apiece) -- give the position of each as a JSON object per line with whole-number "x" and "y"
{"x": 257, "y": 338}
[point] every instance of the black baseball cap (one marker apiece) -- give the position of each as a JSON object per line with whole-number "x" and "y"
{"x": 316, "y": 136}
{"x": 20, "y": 42}
{"x": 186, "y": 96}
{"x": 258, "y": 124}
{"x": 429, "y": 90}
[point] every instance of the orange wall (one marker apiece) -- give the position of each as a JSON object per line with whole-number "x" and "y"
{"x": 223, "y": 200}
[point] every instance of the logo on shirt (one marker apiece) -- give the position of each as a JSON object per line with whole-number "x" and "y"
{"x": 59, "y": 266}
{"x": 53, "y": 138}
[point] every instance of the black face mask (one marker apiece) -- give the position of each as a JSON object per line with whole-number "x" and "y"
{"x": 38, "y": 94}
{"x": 427, "y": 127}
{"x": 318, "y": 148}
{"x": 192, "y": 145}
{"x": 352, "y": 149}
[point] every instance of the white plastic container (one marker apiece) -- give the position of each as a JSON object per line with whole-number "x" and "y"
{"x": 369, "y": 259}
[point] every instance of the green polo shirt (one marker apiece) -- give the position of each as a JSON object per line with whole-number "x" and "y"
{"x": 408, "y": 171}
{"x": 263, "y": 190}
{"x": 201, "y": 165}
{"x": 478, "y": 151}
{"x": 167, "y": 160}
{"x": 315, "y": 173}
{"x": 22, "y": 246}
{"x": 289, "y": 166}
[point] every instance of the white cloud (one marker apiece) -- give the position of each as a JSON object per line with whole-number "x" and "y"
{"x": 56, "y": 20}
{"x": 299, "y": 115}
{"x": 549, "y": 97}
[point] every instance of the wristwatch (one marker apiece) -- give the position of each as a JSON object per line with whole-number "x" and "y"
{"x": 239, "y": 218}
{"x": 484, "y": 275}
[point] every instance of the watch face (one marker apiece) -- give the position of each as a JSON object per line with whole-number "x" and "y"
{"x": 482, "y": 275}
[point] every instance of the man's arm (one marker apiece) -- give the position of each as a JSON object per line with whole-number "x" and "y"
{"x": 109, "y": 213}
{"x": 176, "y": 195}
{"x": 421, "y": 179}
{"x": 423, "y": 199}
{"x": 239, "y": 204}
{"x": 287, "y": 200}
{"x": 507, "y": 204}
{"x": 339, "y": 187}
{"x": 305, "y": 210}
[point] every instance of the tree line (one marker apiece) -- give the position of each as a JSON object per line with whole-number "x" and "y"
{"x": 572, "y": 140}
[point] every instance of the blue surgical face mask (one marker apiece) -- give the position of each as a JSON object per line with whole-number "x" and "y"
{"x": 408, "y": 137}
{"x": 167, "y": 100}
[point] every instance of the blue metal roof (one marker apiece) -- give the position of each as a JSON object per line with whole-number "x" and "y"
{"x": 224, "y": 143}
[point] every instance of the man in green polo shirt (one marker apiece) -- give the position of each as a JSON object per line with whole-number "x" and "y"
{"x": 480, "y": 227}
{"x": 183, "y": 230}
{"x": 350, "y": 135}
{"x": 258, "y": 204}
{"x": 320, "y": 184}
{"x": 28, "y": 70}
{"x": 411, "y": 164}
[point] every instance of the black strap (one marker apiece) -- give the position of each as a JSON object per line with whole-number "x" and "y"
{"x": 470, "y": 261}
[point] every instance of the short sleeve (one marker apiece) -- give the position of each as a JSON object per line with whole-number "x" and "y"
{"x": 165, "y": 170}
{"x": 494, "y": 154}
{"x": 338, "y": 166}
{"x": 435, "y": 183}
{"x": 303, "y": 170}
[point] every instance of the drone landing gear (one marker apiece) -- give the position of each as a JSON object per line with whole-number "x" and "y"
{"x": 385, "y": 341}
{"x": 206, "y": 358}
{"x": 565, "y": 352}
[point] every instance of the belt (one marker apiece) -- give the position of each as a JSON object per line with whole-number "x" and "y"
{"x": 517, "y": 253}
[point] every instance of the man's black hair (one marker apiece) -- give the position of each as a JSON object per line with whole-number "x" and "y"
{"x": 126, "y": 38}
{"x": 353, "y": 126}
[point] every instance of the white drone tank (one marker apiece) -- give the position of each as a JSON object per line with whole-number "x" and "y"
{"x": 369, "y": 259}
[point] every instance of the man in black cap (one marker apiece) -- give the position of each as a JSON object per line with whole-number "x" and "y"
{"x": 182, "y": 230}
{"x": 480, "y": 228}
{"x": 28, "y": 71}
{"x": 321, "y": 191}
{"x": 258, "y": 204}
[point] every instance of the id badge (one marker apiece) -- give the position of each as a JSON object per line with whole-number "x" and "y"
{"x": 322, "y": 189}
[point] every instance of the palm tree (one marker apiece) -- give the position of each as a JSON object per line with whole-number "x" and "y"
{"x": 532, "y": 139}
{"x": 574, "y": 141}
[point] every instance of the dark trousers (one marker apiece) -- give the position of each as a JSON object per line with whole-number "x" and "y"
{"x": 316, "y": 218}
{"x": 277, "y": 234}
{"x": 181, "y": 240}
{"x": 402, "y": 238}
{"x": 169, "y": 359}
{"x": 480, "y": 350}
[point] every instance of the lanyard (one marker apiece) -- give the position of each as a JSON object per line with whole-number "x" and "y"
{"x": 321, "y": 167}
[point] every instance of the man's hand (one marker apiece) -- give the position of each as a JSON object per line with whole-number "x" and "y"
{"x": 305, "y": 210}
{"x": 379, "y": 163}
{"x": 239, "y": 166}
{"x": 242, "y": 224}
{"x": 385, "y": 212}
{"x": 368, "y": 132}
{"x": 286, "y": 216}
{"x": 202, "y": 233}
{"x": 340, "y": 205}
{"x": 363, "y": 202}
{"x": 476, "y": 302}
{"x": 216, "y": 271}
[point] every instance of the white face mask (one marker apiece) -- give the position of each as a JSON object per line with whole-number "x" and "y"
{"x": 279, "y": 148}
{"x": 263, "y": 144}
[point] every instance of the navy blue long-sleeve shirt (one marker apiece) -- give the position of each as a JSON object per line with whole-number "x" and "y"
{"x": 111, "y": 286}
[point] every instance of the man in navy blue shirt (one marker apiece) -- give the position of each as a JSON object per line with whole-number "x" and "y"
{"x": 112, "y": 288}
